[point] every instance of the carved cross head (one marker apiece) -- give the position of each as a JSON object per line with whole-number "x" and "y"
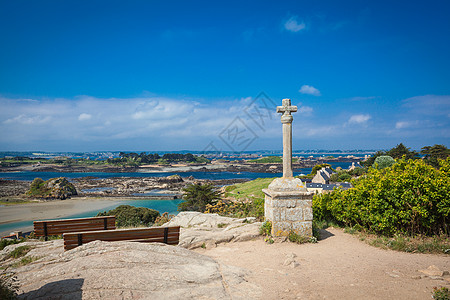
{"x": 286, "y": 109}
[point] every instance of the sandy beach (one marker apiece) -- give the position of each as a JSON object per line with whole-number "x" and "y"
{"x": 51, "y": 210}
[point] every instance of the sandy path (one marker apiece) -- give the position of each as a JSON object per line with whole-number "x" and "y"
{"x": 338, "y": 267}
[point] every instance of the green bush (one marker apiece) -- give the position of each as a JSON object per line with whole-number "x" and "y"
{"x": 410, "y": 197}
{"x": 196, "y": 196}
{"x": 441, "y": 293}
{"x": 340, "y": 176}
{"x": 384, "y": 161}
{"x": 266, "y": 228}
{"x": 7, "y": 242}
{"x": 130, "y": 216}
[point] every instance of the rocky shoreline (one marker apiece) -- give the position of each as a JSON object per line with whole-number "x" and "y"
{"x": 163, "y": 188}
{"x": 214, "y": 166}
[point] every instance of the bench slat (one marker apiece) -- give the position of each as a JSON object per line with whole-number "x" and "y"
{"x": 55, "y": 227}
{"x": 146, "y": 235}
{"x": 75, "y": 220}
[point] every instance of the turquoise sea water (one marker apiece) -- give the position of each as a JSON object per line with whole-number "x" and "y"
{"x": 162, "y": 206}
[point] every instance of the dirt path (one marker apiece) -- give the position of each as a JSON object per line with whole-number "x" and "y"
{"x": 338, "y": 267}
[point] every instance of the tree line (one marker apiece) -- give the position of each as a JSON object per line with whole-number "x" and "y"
{"x": 145, "y": 158}
{"x": 430, "y": 154}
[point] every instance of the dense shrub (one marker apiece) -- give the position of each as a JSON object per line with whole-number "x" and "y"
{"x": 238, "y": 209}
{"x": 340, "y": 176}
{"x": 409, "y": 197}
{"x": 130, "y": 216}
{"x": 196, "y": 196}
{"x": 384, "y": 161}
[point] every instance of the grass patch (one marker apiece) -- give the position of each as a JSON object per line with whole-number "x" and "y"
{"x": 267, "y": 160}
{"x": 13, "y": 201}
{"x": 248, "y": 190}
{"x": 25, "y": 261}
{"x": 438, "y": 244}
{"x": 7, "y": 242}
{"x": 221, "y": 225}
{"x": 300, "y": 239}
{"x": 19, "y": 252}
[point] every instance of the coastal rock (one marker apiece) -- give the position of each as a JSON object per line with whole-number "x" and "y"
{"x": 60, "y": 188}
{"x": 54, "y": 188}
{"x": 125, "y": 270}
{"x": 13, "y": 187}
{"x": 207, "y": 230}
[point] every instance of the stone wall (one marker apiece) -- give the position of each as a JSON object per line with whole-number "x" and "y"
{"x": 289, "y": 211}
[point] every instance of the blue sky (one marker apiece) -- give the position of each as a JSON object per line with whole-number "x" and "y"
{"x": 173, "y": 75}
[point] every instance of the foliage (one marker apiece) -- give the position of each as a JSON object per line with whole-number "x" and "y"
{"x": 135, "y": 159}
{"x": 341, "y": 176}
{"x": 130, "y": 216}
{"x": 37, "y": 187}
{"x": 383, "y": 161}
{"x": 164, "y": 218}
{"x": 238, "y": 209}
{"x": 399, "y": 151}
{"x": 7, "y": 292}
{"x": 357, "y": 172}
{"x": 248, "y": 200}
{"x": 433, "y": 153}
{"x": 300, "y": 239}
{"x": 266, "y": 228}
{"x": 19, "y": 252}
{"x": 54, "y": 188}
{"x": 196, "y": 196}
{"x": 249, "y": 190}
{"x": 441, "y": 293}
{"x": 25, "y": 261}
{"x": 409, "y": 197}
{"x": 268, "y": 159}
{"x": 7, "y": 242}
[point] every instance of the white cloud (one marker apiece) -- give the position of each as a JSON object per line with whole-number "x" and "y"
{"x": 402, "y": 124}
{"x": 359, "y": 119}
{"x": 27, "y": 120}
{"x": 293, "y": 25}
{"x": 154, "y": 121}
{"x": 309, "y": 90}
{"x": 84, "y": 117}
{"x": 305, "y": 110}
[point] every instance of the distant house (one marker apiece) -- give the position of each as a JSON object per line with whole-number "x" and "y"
{"x": 319, "y": 188}
{"x": 323, "y": 176}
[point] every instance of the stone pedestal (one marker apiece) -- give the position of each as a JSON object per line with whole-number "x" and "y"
{"x": 288, "y": 205}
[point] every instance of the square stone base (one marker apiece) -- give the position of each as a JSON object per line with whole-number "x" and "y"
{"x": 289, "y": 211}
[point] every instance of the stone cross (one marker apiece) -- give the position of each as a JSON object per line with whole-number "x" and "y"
{"x": 286, "y": 119}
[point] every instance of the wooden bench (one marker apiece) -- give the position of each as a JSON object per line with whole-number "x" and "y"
{"x": 56, "y": 227}
{"x": 167, "y": 235}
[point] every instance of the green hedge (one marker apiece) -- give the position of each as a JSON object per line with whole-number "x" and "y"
{"x": 409, "y": 197}
{"x": 130, "y": 216}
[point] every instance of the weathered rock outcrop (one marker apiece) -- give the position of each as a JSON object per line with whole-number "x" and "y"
{"x": 54, "y": 188}
{"x": 208, "y": 230}
{"x": 126, "y": 270}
